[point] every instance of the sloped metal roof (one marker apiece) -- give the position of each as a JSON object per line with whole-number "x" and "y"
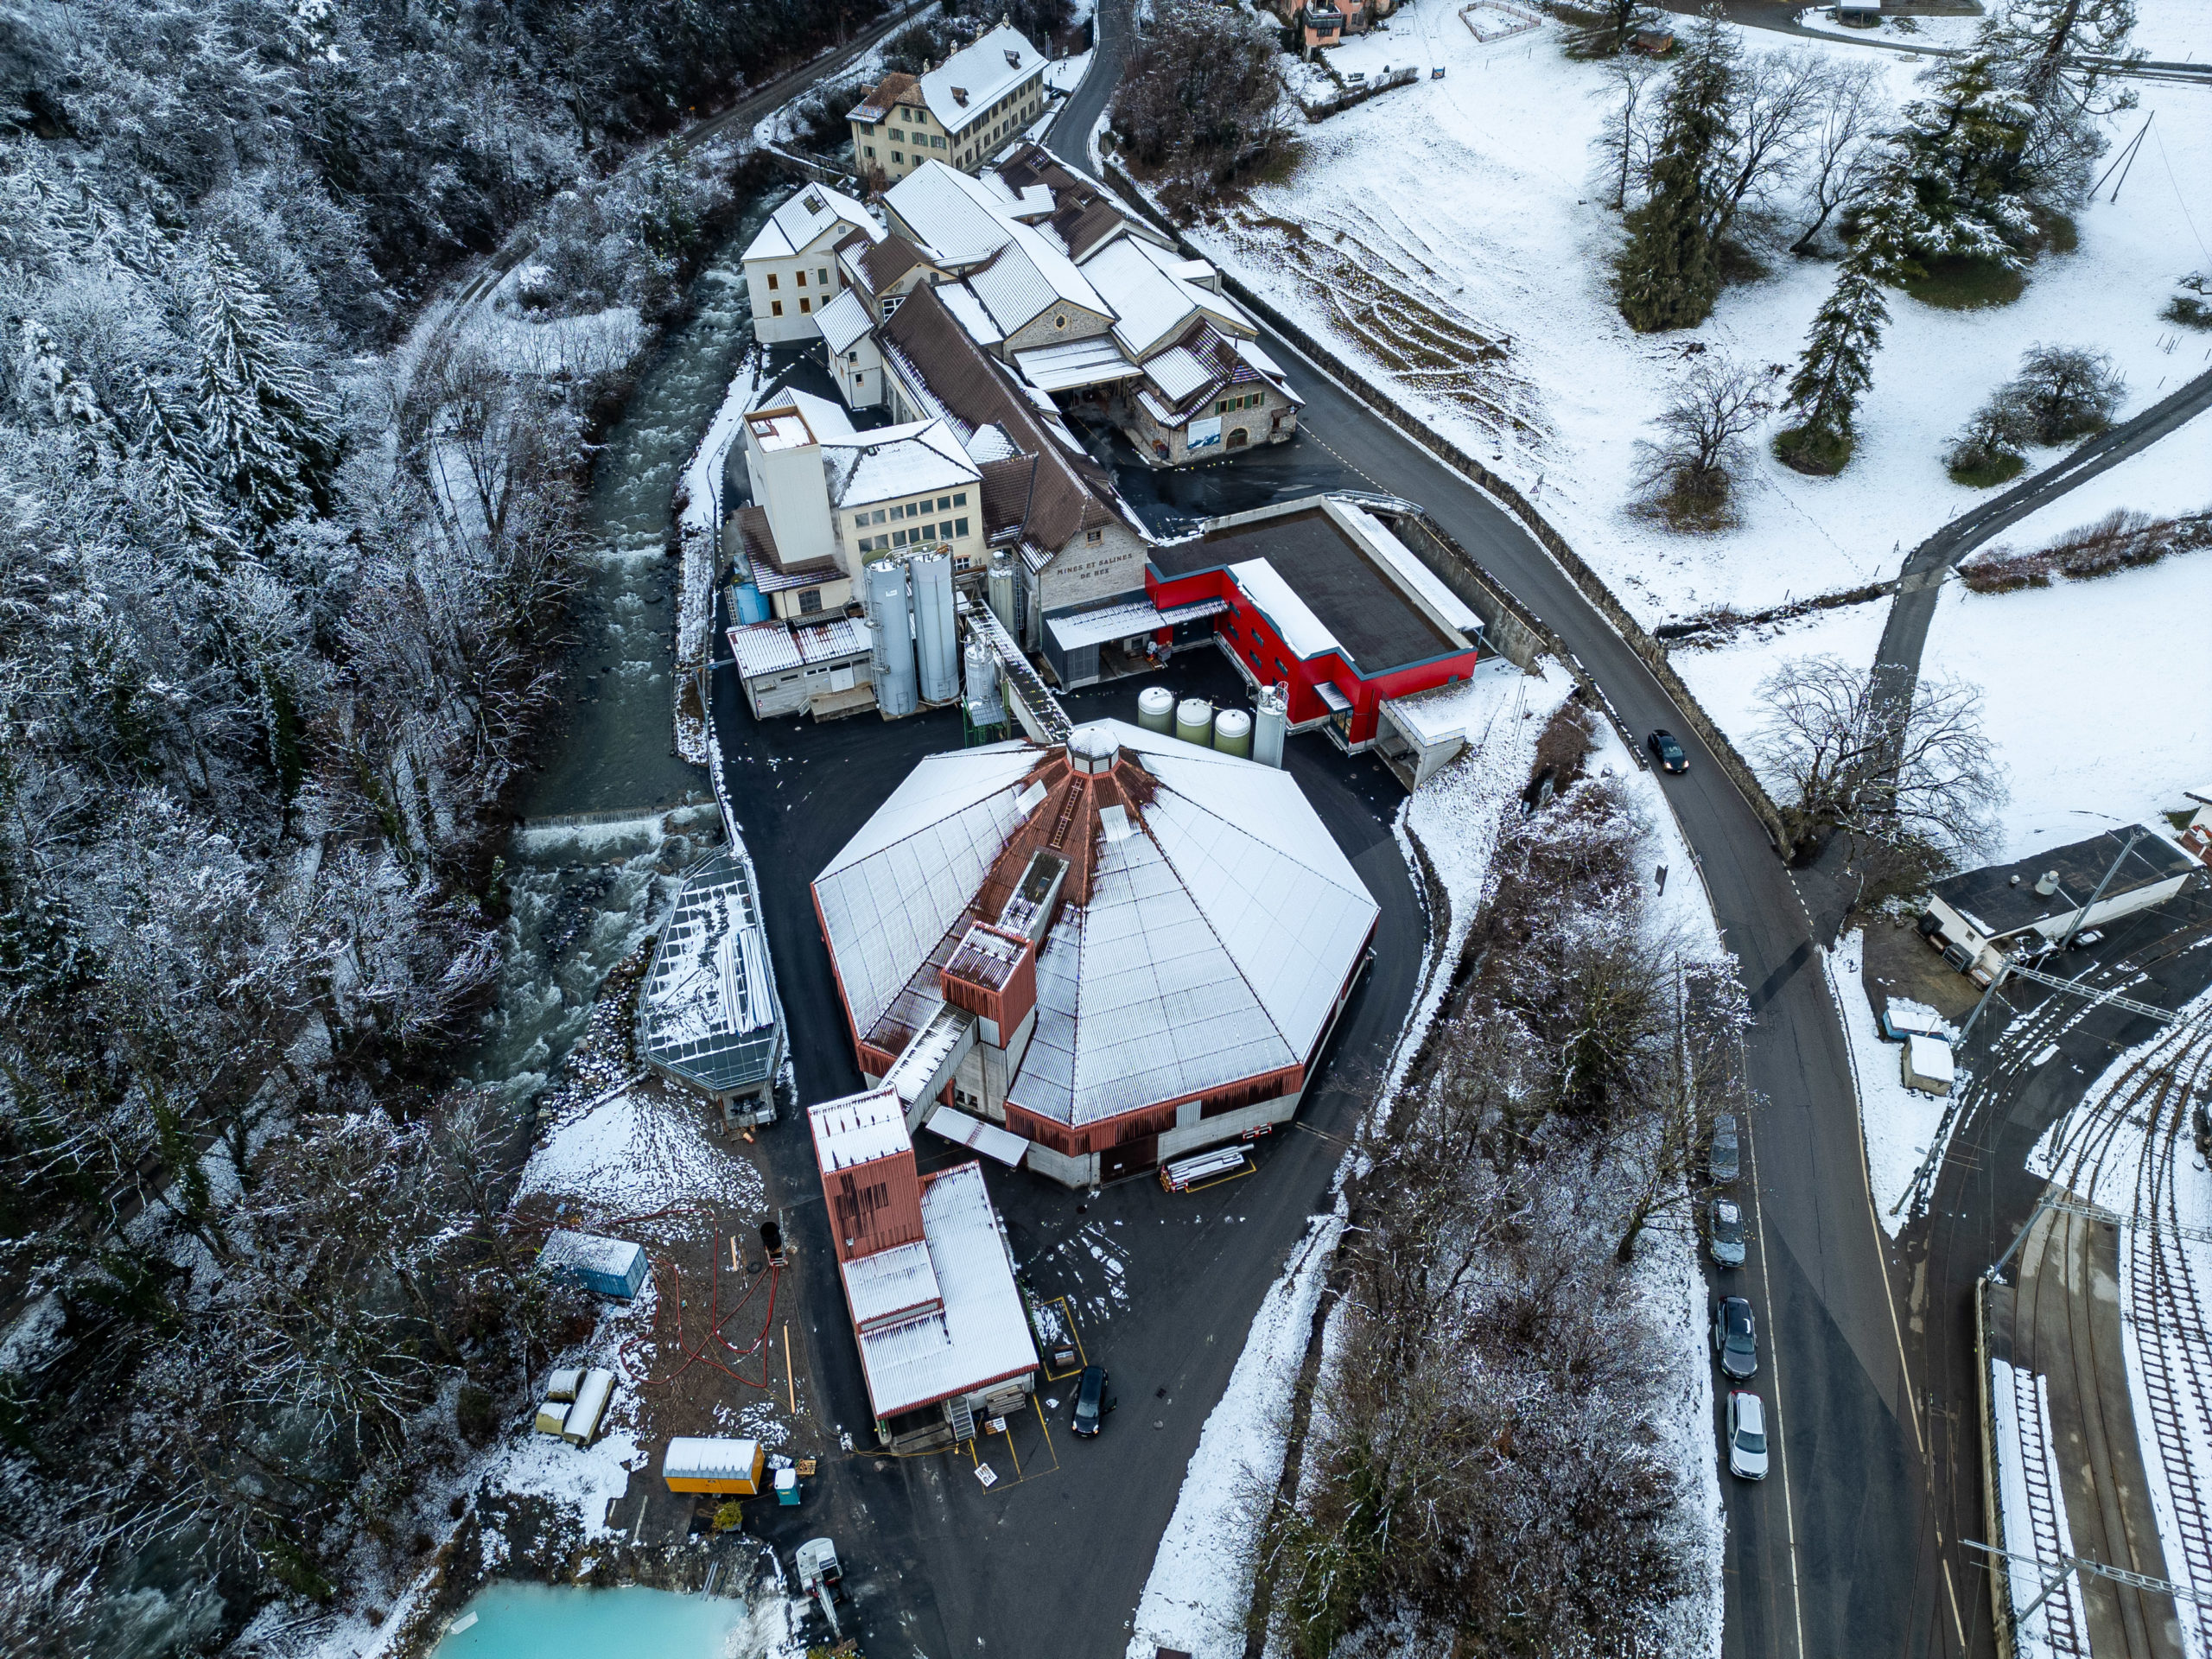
{"x": 707, "y": 1012}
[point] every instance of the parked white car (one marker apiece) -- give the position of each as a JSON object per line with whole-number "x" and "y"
{"x": 1747, "y": 1435}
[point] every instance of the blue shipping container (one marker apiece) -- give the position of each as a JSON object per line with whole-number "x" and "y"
{"x": 751, "y": 604}
{"x": 611, "y": 1266}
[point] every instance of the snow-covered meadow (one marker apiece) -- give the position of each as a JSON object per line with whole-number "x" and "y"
{"x": 1470, "y": 209}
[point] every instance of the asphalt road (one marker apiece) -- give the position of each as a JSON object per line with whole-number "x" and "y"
{"x": 1052, "y": 1557}
{"x": 1833, "y": 1553}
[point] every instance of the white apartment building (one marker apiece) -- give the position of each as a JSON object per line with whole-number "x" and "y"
{"x": 791, "y": 270}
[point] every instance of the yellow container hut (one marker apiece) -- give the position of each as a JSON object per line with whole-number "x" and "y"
{"x": 734, "y": 1467}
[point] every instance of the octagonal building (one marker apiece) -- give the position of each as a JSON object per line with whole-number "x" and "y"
{"x": 1095, "y": 956}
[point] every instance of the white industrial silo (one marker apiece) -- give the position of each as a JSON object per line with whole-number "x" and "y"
{"x": 937, "y": 651}
{"x": 891, "y": 634}
{"x": 999, "y": 592}
{"x": 985, "y": 706}
{"x": 1156, "y": 709}
{"x": 1271, "y": 724}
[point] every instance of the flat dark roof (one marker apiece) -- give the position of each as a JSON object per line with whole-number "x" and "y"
{"x": 1990, "y": 898}
{"x": 1371, "y": 616}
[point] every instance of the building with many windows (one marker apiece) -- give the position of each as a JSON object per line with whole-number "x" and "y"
{"x": 961, "y": 113}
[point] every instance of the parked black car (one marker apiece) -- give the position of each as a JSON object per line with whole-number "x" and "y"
{"x": 1092, "y": 1402}
{"x": 1735, "y": 1338}
{"x": 1667, "y": 751}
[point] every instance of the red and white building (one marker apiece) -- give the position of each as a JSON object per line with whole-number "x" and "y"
{"x": 944, "y": 1335}
{"x": 1095, "y": 956}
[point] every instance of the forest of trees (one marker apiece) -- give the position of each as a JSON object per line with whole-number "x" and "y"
{"x": 280, "y": 604}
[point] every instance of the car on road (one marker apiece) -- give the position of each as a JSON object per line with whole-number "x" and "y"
{"x": 1720, "y": 1158}
{"x": 1735, "y": 1338}
{"x": 1092, "y": 1401}
{"x": 1724, "y": 1232}
{"x": 1747, "y": 1435}
{"x": 1667, "y": 749}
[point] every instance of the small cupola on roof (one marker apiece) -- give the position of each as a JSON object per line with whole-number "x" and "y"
{"x": 1093, "y": 749}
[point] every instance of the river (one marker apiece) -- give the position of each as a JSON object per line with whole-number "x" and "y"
{"x": 590, "y": 871}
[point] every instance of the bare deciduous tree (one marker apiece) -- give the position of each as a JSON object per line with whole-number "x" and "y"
{"x": 1840, "y": 155}
{"x": 1631, "y": 127}
{"x": 1860, "y": 760}
{"x": 1688, "y": 476}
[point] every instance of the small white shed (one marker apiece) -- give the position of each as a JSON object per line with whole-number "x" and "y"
{"x": 1927, "y": 1064}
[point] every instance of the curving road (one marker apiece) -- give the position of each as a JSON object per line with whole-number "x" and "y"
{"x": 1837, "y": 1552}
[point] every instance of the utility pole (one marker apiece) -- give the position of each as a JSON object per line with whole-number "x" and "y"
{"x": 2081, "y": 916}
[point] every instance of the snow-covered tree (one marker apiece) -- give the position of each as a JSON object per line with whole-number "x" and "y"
{"x": 1833, "y": 374}
{"x": 1956, "y": 181}
{"x": 266, "y": 424}
{"x": 2064, "y": 57}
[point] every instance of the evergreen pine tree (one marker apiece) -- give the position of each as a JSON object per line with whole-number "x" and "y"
{"x": 266, "y": 427}
{"x": 170, "y": 471}
{"x": 1955, "y": 186}
{"x": 1833, "y": 374}
{"x": 1668, "y": 275}
{"x": 2062, "y": 56}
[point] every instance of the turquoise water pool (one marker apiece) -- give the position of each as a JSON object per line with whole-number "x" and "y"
{"x": 539, "y": 1621}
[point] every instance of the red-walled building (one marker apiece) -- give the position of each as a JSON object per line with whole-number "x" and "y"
{"x": 1324, "y": 598}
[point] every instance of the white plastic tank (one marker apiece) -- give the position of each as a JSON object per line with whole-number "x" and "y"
{"x": 1271, "y": 725}
{"x": 936, "y": 651}
{"x": 891, "y": 638}
{"x": 1194, "y": 722}
{"x": 1232, "y": 732}
{"x": 1156, "y": 708}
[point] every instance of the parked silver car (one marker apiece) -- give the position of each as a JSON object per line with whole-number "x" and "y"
{"x": 1747, "y": 1435}
{"x": 1721, "y": 1155}
{"x": 1724, "y": 1232}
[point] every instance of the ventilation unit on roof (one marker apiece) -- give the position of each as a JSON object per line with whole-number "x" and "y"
{"x": 2047, "y": 883}
{"x": 1014, "y": 59}
{"x": 960, "y": 96}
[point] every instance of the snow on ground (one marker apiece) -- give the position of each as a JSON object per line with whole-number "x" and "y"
{"x": 2171, "y": 478}
{"x": 1941, "y": 32}
{"x": 1201, "y": 1579}
{"x": 1453, "y": 213}
{"x": 1898, "y": 1122}
{"x": 2175, "y": 31}
{"x": 636, "y": 1149}
{"x": 700, "y": 527}
{"x": 2098, "y": 694}
{"x": 1066, "y": 74}
{"x": 1725, "y": 678}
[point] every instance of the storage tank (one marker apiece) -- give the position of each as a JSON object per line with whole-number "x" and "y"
{"x": 985, "y": 706}
{"x": 891, "y": 632}
{"x": 936, "y": 651}
{"x": 1232, "y": 732}
{"x": 1156, "y": 708}
{"x": 1272, "y": 724}
{"x": 999, "y": 592}
{"x": 1194, "y": 722}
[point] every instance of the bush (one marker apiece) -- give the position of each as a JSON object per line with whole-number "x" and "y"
{"x": 2065, "y": 392}
{"x": 475, "y": 1416}
{"x": 1813, "y": 450}
{"x": 1688, "y": 478}
{"x": 2120, "y": 541}
{"x": 2187, "y": 309}
{"x": 1200, "y": 102}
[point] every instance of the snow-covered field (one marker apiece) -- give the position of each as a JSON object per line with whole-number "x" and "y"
{"x": 1725, "y": 679}
{"x": 2098, "y": 694}
{"x": 1898, "y": 1123}
{"x": 2171, "y": 478}
{"x": 1468, "y": 210}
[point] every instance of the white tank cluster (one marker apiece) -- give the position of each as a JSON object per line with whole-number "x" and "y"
{"x": 1194, "y": 722}
{"x": 1156, "y": 708}
{"x": 1232, "y": 732}
{"x": 1227, "y": 731}
{"x": 986, "y": 706}
{"x": 913, "y": 641}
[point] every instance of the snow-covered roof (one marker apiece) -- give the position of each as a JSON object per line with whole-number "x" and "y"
{"x": 801, "y": 224}
{"x": 858, "y": 1129}
{"x": 1152, "y": 303}
{"x": 707, "y": 1011}
{"x": 1126, "y": 621}
{"x": 977, "y": 1136}
{"x": 1208, "y": 949}
{"x": 897, "y": 460}
{"x": 990, "y": 442}
{"x": 893, "y": 890}
{"x": 962, "y": 90}
{"x": 694, "y": 1458}
{"x": 844, "y": 321}
{"x": 795, "y": 419}
{"x": 1464, "y": 710}
{"x": 899, "y": 1281}
{"x": 1302, "y": 631}
{"x": 777, "y": 647}
{"x": 979, "y": 1334}
{"x": 948, "y": 214}
{"x": 968, "y": 309}
{"x": 1028, "y": 278}
{"x": 1075, "y": 364}
{"x": 1178, "y": 372}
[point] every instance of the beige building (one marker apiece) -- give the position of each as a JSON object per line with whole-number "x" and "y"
{"x": 960, "y": 113}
